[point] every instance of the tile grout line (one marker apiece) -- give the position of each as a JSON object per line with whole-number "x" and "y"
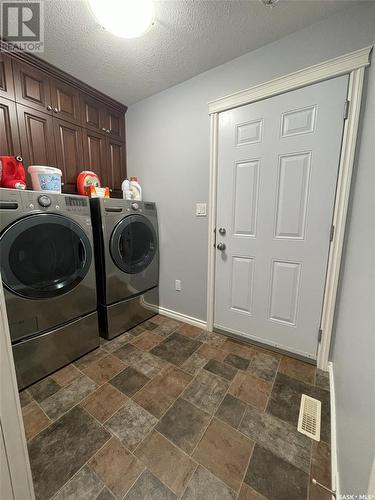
{"x": 246, "y": 468}
{"x": 272, "y": 386}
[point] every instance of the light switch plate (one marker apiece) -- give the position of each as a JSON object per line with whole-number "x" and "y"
{"x": 178, "y": 285}
{"x": 201, "y": 209}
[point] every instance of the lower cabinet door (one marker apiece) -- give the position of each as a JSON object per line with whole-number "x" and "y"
{"x": 116, "y": 163}
{"x": 9, "y": 137}
{"x": 94, "y": 152}
{"x": 69, "y": 152}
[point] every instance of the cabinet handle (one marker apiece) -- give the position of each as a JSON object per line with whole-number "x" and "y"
{"x": 49, "y": 107}
{"x": 55, "y": 110}
{"x": 108, "y": 131}
{"x": 104, "y": 129}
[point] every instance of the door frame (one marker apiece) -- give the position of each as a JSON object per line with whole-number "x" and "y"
{"x": 11, "y": 421}
{"x": 352, "y": 64}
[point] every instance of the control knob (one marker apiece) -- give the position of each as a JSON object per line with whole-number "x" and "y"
{"x": 135, "y": 206}
{"x": 44, "y": 200}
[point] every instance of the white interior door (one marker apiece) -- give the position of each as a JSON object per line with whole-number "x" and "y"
{"x": 277, "y": 172}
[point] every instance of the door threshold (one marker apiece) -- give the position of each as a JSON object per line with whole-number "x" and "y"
{"x": 262, "y": 345}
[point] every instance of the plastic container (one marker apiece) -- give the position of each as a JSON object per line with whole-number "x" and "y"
{"x": 135, "y": 189}
{"x": 45, "y": 178}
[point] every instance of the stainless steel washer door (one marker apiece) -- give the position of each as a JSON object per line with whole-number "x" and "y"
{"x": 44, "y": 256}
{"x": 133, "y": 244}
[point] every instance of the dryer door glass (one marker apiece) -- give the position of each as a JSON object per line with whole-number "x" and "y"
{"x": 44, "y": 255}
{"x": 133, "y": 244}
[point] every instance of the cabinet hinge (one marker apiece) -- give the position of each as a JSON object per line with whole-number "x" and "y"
{"x": 215, "y": 237}
{"x": 332, "y": 233}
{"x": 346, "y": 109}
{"x": 320, "y": 334}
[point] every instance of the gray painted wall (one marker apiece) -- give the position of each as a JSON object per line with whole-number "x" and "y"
{"x": 168, "y": 143}
{"x": 353, "y": 352}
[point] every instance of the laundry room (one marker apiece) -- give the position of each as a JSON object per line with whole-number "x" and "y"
{"x": 186, "y": 246}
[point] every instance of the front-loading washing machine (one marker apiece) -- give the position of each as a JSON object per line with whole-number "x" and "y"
{"x": 127, "y": 263}
{"x": 48, "y": 275}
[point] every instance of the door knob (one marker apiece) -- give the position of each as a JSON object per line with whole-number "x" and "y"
{"x": 222, "y": 230}
{"x": 49, "y": 107}
{"x": 221, "y": 246}
{"x": 104, "y": 129}
{"x": 55, "y": 110}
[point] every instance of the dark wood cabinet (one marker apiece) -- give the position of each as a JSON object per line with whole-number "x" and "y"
{"x": 53, "y": 119}
{"x": 9, "y": 136}
{"x": 65, "y": 101}
{"x": 69, "y": 152}
{"x": 6, "y": 77}
{"x": 36, "y": 134}
{"x": 32, "y": 87}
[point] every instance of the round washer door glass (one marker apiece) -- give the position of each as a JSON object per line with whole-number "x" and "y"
{"x": 44, "y": 255}
{"x": 133, "y": 244}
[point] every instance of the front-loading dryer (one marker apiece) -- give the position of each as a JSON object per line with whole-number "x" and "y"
{"x": 48, "y": 274}
{"x": 127, "y": 263}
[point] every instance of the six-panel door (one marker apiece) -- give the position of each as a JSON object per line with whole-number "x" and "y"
{"x": 277, "y": 172}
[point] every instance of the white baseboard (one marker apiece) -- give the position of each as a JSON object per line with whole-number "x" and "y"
{"x": 335, "y": 481}
{"x": 183, "y": 317}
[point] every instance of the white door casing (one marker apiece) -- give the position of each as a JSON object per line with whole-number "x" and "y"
{"x": 352, "y": 64}
{"x": 276, "y": 181}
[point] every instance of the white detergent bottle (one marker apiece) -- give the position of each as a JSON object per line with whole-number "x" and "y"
{"x": 135, "y": 189}
{"x": 125, "y": 186}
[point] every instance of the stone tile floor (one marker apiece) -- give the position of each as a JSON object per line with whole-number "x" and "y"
{"x": 169, "y": 411}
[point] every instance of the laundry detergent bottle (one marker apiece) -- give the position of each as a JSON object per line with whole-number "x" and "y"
{"x": 135, "y": 189}
{"x": 125, "y": 186}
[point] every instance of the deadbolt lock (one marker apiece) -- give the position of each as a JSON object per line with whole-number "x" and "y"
{"x": 222, "y": 230}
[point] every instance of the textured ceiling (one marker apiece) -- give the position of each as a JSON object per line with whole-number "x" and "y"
{"x": 187, "y": 38}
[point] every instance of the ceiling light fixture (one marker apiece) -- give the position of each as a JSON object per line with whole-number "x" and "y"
{"x": 124, "y": 18}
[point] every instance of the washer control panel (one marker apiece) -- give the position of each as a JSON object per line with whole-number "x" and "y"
{"x": 54, "y": 202}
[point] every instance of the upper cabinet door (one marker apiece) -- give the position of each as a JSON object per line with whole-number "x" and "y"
{"x": 6, "y": 77}
{"x": 32, "y": 87}
{"x": 65, "y": 101}
{"x": 36, "y": 133}
{"x": 68, "y": 142}
{"x": 92, "y": 114}
{"x": 9, "y": 137}
{"x": 114, "y": 123}
{"x": 94, "y": 151}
